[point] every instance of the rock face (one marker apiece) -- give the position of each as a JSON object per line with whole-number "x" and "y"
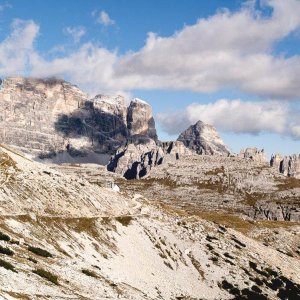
{"x": 203, "y": 139}
{"x": 53, "y": 119}
{"x": 287, "y": 165}
{"x": 140, "y": 120}
{"x": 136, "y": 159}
{"x": 254, "y": 154}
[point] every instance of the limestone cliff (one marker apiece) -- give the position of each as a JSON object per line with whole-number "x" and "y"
{"x": 53, "y": 119}
{"x": 140, "y": 120}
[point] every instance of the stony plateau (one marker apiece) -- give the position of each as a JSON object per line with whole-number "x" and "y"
{"x": 191, "y": 221}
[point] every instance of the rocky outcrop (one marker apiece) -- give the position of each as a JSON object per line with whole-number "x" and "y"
{"x": 254, "y": 154}
{"x": 140, "y": 121}
{"x": 203, "y": 139}
{"x": 136, "y": 159}
{"x": 287, "y": 165}
{"x": 276, "y": 212}
{"x": 175, "y": 149}
{"x": 53, "y": 119}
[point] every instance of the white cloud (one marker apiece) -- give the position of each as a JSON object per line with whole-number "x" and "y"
{"x": 90, "y": 67}
{"x": 236, "y": 116}
{"x": 16, "y": 49}
{"x": 103, "y": 18}
{"x": 5, "y": 6}
{"x": 229, "y": 50}
{"x": 75, "y": 32}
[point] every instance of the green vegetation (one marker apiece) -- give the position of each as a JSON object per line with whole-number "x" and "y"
{"x": 89, "y": 273}
{"x": 7, "y": 265}
{"x": 47, "y": 275}
{"x": 32, "y": 260}
{"x": 39, "y": 251}
{"x": 6, "y": 251}
{"x": 4, "y": 237}
{"x": 124, "y": 220}
{"x": 15, "y": 242}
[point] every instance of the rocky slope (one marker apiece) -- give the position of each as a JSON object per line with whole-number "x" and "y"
{"x": 69, "y": 238}
{"x": 52, "y": 119}
{"x": 244, "y": 187}
{"x": 203, "y": 139}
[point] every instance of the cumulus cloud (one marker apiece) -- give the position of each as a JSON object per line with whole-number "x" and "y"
{"x": 16, "y": 49}
{"x": 223, "y": 51}
{"x": 75, "y": 32}
{"x": 103, "y": 18}
{"x": 235, "y": 116}
{"x": 228, "y": 50}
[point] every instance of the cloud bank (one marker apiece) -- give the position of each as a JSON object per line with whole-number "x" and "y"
{"x": 226, "y": 50}
{"x": 236, "y": 116}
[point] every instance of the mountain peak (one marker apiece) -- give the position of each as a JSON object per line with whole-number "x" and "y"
{"x": 203, "y": 139}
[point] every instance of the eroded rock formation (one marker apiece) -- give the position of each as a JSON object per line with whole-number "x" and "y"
{"x": 254, "y": 154}
{"x": 137, "y": 158}
{"x": 203, "y": 139}
{"x": 287, "y": 165}
{"x": 140, "y": 121}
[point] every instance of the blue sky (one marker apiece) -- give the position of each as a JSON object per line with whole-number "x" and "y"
{"x": 234, "y": 64}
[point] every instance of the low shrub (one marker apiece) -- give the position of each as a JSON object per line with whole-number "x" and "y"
{"x": 7, "y": 265}
{"x": 89, "y": 273}
{"x": 124, "y": 220}
{"x": 39, "y": 251}
{"x": 32, "y": 260}
{"x": 4, "y": 237}
{"x": 6, "y": 251}
{"x": 47, "y": 275}
{"x": 15, "y": 242}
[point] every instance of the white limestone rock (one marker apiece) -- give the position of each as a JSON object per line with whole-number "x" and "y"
{"x": 254, "y": 154}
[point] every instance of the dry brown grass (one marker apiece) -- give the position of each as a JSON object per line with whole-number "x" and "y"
{"x": 228, "y": 219}
{"x": 216, "y": 171}
{"x": 124, "y": 220}
{"x": 288, "y": 184}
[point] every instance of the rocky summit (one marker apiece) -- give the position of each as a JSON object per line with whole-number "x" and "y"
{"x": 53, "y": 119}
{"x": 185, "y": 219}
{"x": 203, "y": 139}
